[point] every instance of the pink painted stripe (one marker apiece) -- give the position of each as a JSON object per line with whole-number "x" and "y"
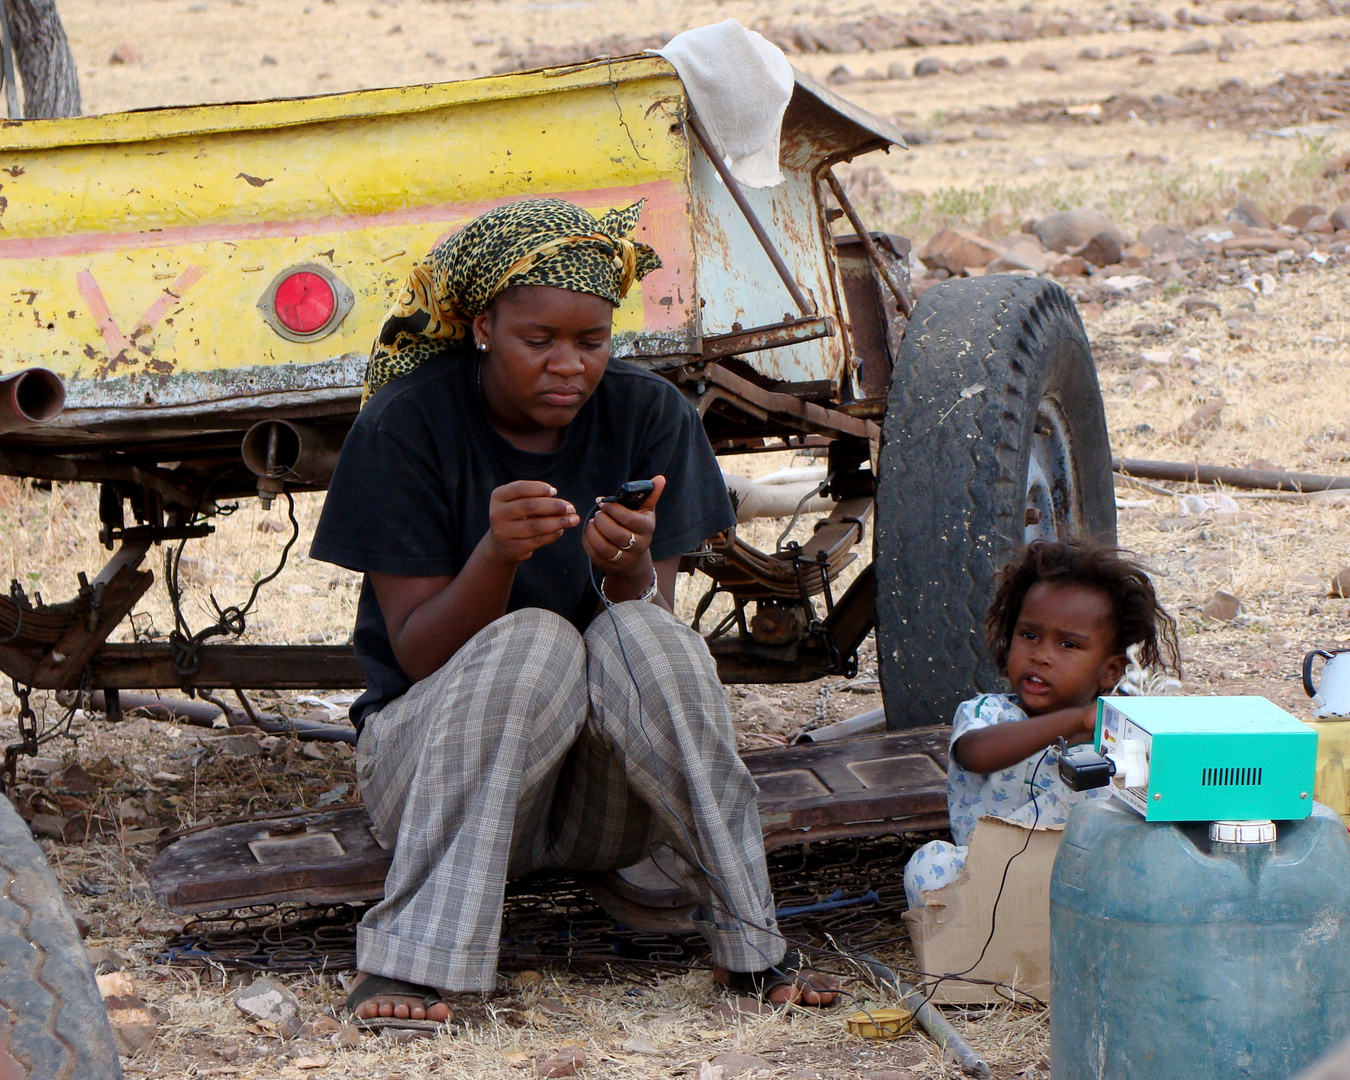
{"x": 170, "y": 296}
{"x": 98, "y": 307}
{"x": 659, "y": 192}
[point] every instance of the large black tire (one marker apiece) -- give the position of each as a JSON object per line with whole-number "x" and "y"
{"x": 993, "y": 411}
{"x": 52, "y": 1023}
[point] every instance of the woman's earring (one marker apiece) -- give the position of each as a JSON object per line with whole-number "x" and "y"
{"x": 482, "y": 346}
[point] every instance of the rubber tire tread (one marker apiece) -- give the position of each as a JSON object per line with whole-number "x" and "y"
{"x": 52, "y": 1020}
{"x": 952, "y": 476}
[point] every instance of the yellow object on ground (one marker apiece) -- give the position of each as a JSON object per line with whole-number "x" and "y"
{"x": 879, "y": 1023}
{"x": 1332, "y": 786}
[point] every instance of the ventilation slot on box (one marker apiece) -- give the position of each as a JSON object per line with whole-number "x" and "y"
{"x": 1250, "y": 777}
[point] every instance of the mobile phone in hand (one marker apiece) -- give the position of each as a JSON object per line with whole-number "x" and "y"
{"x": 632, "y": 494}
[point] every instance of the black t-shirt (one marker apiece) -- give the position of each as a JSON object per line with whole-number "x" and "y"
{"x": 412, "y": 487}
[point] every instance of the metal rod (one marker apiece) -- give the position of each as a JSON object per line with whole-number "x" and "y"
{"x": 930, "y": 1019}
{"x": 884, "y": 267}
{"x": 795, "y": 290}
{"x": 1255, "y": 479}
{"x": 7, "y": 49}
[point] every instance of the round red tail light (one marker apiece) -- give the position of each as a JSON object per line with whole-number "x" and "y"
{"x": 305, "y": 302}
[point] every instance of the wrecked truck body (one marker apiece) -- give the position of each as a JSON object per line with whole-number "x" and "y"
{"x": 206, "y": 282}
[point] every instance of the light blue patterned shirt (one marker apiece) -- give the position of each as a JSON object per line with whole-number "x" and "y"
{"x": 1005, "y": 794}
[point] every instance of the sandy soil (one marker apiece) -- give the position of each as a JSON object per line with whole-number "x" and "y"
{"x": 993, "y": 147}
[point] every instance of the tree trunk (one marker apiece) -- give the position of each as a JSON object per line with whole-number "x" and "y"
{"x": 51, "y": 85}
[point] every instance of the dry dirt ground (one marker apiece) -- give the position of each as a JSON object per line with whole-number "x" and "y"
{"x": 1151, "y": 116}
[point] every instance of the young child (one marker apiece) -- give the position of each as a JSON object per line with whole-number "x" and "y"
{"x": 1063, "y": 617}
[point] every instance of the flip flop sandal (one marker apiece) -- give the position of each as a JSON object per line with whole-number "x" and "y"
{"x": 373, "y": 986}
{"x": 760, "y": 984}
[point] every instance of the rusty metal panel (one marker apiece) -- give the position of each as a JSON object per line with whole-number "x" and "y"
{"x": 855, "y": 787}
{"x": 737, "y": 280}
{"x": 871, "y": 786}
{"x": 323, "y": 856}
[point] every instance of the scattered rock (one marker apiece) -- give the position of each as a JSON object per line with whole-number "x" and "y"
{"x": 104, "y": 960}
{"x": 1223, "y": 606}
{"x": 1024, "y": 254}
{"x": 347, "y": 1037}
{"x": 1069, "y": 266}
{"x": 133, "y": 1025}
{"x": 1299, "y": 216}
{"x": 1165, "y": 241}
{"x": 929, "y": 65}
{"x": 1146, "y": 382}
{"x": 552, "y": 1007}
{"x": 227, "y": 1053}
{"x": 563, "y": 1063}
{"x": 889, "y": 1074}
{"x": 268, "y": 1001}
{"x": 237, "y": 745}
{"x": 48, "y": 826}
{"x": 1248, "y": 213}
{"x": 1194, "y": 48}
{"x": 1207, "y": 416}
{"x": 333, "y": 795}
{"x": 1336, "y": 166}
{"x": 734, "y": 1063}
{"x": 1068, "y": 229}
{"x": 1340, "y": 217}
{"x": 840, "y": 75}
{"x": 162, "y": 924}
{"x": 76, "y": 779}
{"x": 310, "y": 1063}
{"x": 528, "y": 978}
{"x": 954, "y": 251}
{"x": 1194, "y": 303}
{"x": 270, "y": 525}
{"x": 897, "y": 69}
{"x": 1340, "y": 584}
{"x": 1102, "y": 249}
{"x": 708, "y": 1071}
{"x": 126, "y": 53}
{"x": 323, "y": 1024}
{"x": 740, "y": 1008}
{"x": 640, "y": 1044}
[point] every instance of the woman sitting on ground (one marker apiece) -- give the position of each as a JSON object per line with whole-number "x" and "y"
{"x": 517, "y": 719}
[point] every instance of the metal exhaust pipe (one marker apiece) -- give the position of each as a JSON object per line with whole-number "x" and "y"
{"x": 281, "y": 450}
{"x": 30, "y": 398}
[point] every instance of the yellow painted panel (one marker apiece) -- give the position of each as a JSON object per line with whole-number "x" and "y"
{"x": 128, "y": 257}
{"x": 1332, "y": 786}
{"x": 587, "y": 138}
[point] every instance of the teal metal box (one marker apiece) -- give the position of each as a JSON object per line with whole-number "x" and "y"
{"x": 1208, "y": 758}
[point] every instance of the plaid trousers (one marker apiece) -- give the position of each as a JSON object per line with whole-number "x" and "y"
{"x": 535, "y": 748}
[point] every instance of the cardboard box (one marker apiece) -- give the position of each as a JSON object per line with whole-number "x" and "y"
{"x": 949, "y": 931}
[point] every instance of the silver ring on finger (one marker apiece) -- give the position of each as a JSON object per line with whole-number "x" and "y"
{"x": 617, "y": 555}
{"x": 632, "y": 542}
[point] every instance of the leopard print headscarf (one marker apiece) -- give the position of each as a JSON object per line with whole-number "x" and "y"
{"x": 533, "y": 242}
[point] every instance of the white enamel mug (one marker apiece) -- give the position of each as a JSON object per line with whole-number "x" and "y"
{"x": 1331, "y": 696}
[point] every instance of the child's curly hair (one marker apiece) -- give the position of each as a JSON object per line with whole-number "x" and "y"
{"x": 1137, "y": 615}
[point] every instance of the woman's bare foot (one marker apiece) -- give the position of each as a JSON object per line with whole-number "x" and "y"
{"x": 808, "y": 987}
{"x": 398, "y": 1006}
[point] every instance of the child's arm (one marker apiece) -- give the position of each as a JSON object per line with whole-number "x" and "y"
{"x": 990, "y": 749}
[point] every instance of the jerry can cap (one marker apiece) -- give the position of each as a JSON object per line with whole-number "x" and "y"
{"x": 1242, "y": 832}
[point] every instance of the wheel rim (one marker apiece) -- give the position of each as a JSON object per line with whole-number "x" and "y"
{"x": 1053, "y": 505}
